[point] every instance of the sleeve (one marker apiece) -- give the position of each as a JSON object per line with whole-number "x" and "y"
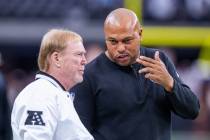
{"x": 84, "y": 103}
{"x": 36, "y": 120}
{"x": 183, "y": 101}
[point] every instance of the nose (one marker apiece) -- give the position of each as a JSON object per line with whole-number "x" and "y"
{"x": 121, "y": 47}
{"x": 84, "y": 60}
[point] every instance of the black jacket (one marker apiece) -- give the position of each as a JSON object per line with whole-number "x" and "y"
{"x": 117, "y": 103}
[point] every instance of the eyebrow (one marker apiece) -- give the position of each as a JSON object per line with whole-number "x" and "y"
{"x": 126, "y": 38}
{"x": 80, "y": 51}
{"x": 110, "y": 38}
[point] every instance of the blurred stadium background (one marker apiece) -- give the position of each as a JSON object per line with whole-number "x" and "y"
{"x": 179, "y": 27}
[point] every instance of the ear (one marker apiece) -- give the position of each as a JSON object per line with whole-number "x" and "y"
{"x": 140, "y": 31}
{"x": 140, "y": 34}
{"x": 55, "y": 57}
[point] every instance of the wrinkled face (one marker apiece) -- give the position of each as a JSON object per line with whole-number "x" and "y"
{"x": 73, "y": 62}
{"x": 122, "y": 45}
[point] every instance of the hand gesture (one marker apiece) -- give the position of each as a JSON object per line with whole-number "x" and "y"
{"x": 155, "y": 70}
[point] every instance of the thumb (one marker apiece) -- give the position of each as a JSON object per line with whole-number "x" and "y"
{"x": 157, "y": 56}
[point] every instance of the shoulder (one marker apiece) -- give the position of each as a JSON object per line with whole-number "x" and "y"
{"x": 39, "y": 96}
{"x": 41, "y": 85}
{"x": 95, "y": 65}
{"x": 37, "y": 92}
{"x": 97, "y": 60}
{"x": 150, "y": 52}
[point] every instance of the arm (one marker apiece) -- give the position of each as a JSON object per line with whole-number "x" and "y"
{"x": 182, "y": 99}
{"x": 35, "y": 121}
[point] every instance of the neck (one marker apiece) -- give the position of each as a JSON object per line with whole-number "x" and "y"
{"x": 107, "y": 54}
{"x": 65, "y": 82}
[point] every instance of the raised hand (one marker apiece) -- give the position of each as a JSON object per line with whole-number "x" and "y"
{"x": 155, "y": 70}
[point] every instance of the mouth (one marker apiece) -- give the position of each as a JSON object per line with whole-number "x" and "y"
{"x": 123, "y": 57}
{"x": 81, "y": 71}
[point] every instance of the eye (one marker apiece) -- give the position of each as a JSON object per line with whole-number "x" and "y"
{"x": 127, "y": 41}
{"x": 79, "y": 54}
{"x": 113, "y": 41}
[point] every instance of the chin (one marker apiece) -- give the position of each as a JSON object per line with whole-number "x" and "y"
{"x": 123, "y": 64}
{"x": 79, "y": 80}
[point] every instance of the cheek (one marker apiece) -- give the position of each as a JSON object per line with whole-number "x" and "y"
{"x": 112, "y": 49}
{"x": 71, "y": 64}
{"x": 112, "y": 53}
{"x": 134, "y": 47}
{"x": 74, "y": 61}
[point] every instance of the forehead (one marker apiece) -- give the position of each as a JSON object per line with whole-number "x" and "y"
{"x": 75, "y": 46}
{"x": 120, "y": 33}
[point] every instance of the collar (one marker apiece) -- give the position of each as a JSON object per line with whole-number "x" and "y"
{"x": 51, "y": 79}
